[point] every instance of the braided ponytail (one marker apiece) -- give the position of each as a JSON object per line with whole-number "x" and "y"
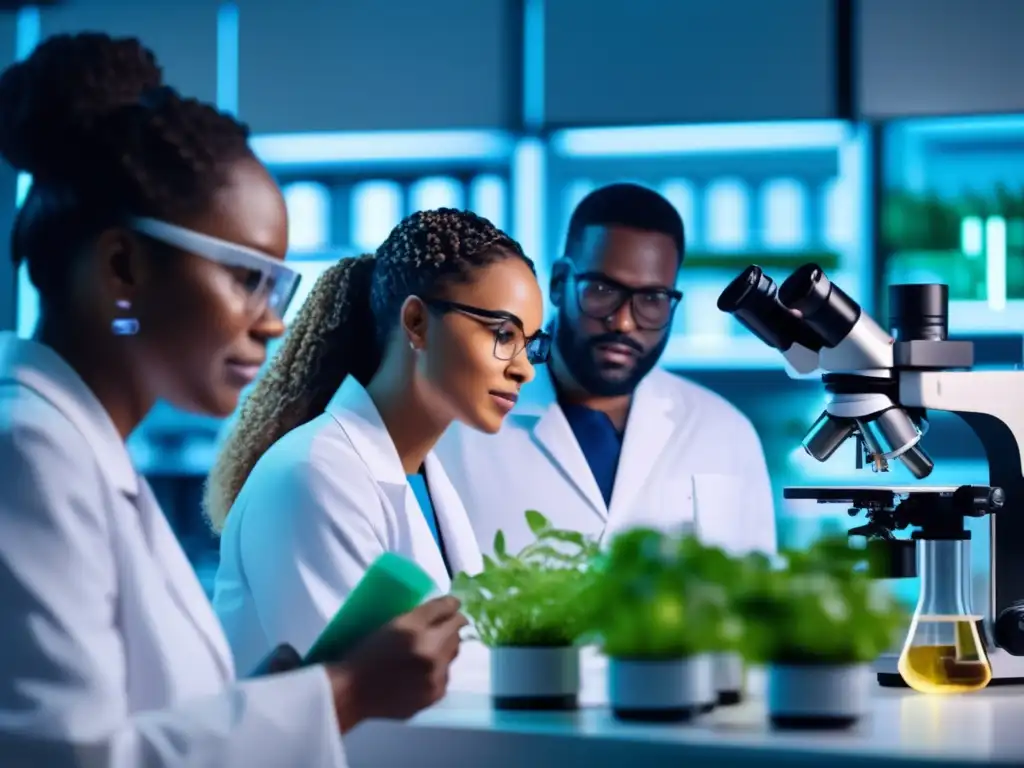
{"x": 342, "y": 329}
{"x": 332, "y": 337}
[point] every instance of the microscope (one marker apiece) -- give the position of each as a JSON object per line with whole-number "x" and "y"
{"x": 881, "y": 386}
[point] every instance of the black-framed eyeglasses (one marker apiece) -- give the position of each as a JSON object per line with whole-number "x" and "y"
{"x": 599, "y": 297}
{"x": 509, "y": 336}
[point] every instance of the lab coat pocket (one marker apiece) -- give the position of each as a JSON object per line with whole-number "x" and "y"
{"x": 718, "y": 504}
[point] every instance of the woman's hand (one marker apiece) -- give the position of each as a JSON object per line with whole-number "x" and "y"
{"x": 400, "y": 669}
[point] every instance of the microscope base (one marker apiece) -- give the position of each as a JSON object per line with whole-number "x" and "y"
{"x": 1006, "y": 669}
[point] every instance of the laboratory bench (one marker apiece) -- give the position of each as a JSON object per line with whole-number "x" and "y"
{"x": 903, "y": 728}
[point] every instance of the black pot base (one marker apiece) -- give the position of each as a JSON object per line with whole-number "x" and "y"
{"x": 811, "y": 723}
{"x": 729, "y": 698}
{"x": 891, "y": 680}
{"x": 674, "y": 715}
{"x": 537, "y": 703}
{"x": 895, "y": 680}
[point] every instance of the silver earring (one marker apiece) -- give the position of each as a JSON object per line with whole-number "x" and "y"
{"x": 124, "y": 326}
{"x": 412, "y": 345}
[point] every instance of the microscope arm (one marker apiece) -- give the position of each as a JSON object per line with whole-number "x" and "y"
{"x": 801, "y": 362}
{"x": 991, "y": 404}
{"x": 998, "y": 395}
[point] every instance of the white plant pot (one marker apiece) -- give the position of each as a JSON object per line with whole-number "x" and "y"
{"x": 729, "y": 672}
{"x": 661, "y": 691}
{"x": 535, "y": 678}
{"x": 818, "y": 696}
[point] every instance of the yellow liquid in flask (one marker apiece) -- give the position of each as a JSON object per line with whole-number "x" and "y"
{"x": 944, "y": 654}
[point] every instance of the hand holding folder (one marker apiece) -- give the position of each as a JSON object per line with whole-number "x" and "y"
{"x": 386, "y": 651}
{"x": 391, "y": 587}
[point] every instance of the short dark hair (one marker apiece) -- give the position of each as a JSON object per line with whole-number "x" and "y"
{"x": 89, "y": 117}
{"x": 626, "y": 205}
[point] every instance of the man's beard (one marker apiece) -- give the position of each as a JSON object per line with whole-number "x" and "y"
{"x": 597, "y": 379}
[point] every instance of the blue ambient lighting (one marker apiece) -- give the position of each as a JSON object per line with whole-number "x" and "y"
{"x": 533, "y": 64}
{"x": 528, "y": 185}
{"x": 487, "y": 198}
{"x": 324, "y": 150}
{"x": 436, "y": 192}
{"x": 28, "y": 28}
{"x": 995, "y": 263}
{"x": 960, "y": 127}
{"x": 227, "y": 58}
{"x": 700, "y": 139}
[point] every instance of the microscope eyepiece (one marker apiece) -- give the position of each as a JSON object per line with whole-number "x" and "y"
{"x": 919, "y": 312}
{"x": 825, "y": 308}
{"x": 752, "y": 298}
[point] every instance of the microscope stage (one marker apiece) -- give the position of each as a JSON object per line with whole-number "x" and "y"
{"x": 850, "y": 494}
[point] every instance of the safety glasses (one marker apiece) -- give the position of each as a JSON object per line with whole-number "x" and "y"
{"x": 599, "y": 297}
{"x": 267, "y": 283}
{"x": 509, "y": 337}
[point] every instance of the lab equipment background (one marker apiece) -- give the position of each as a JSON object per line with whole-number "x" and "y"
{"x": 878, "y": 138}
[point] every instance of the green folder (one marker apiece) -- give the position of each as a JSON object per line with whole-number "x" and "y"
{"x": 391, "y": 587}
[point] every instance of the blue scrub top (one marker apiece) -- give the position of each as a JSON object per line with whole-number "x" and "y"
{"x": 600, "y": 442}
{"x": 418, "y": 483}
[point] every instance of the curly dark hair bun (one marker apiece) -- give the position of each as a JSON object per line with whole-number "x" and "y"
{"x": 54, "y": 104}
{"x": 90, "y": 118}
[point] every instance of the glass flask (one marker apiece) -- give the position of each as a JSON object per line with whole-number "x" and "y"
{"x": 944, "y": 651}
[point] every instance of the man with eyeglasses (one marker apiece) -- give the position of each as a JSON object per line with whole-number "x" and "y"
{"x": 603, "y": 440}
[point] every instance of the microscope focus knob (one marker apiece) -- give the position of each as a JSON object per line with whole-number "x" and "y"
{"x": 1009, "y": 629}
{"x": 978, "y": 500}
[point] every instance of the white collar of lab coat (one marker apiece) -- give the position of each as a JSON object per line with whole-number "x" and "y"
{"x": 39, "y": 368}
{"x": 354, "y": 409}
{"x": 653, "y": 416}
{"x": 539, "y": 396}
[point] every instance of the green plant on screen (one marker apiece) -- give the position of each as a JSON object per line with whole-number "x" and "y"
{"x": 654, "y": 596}
{"x": 820, "y": 607}
{"x": 529, "y": 599}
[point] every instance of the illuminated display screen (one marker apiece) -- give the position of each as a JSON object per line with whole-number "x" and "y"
{"x": 953, "y": 212}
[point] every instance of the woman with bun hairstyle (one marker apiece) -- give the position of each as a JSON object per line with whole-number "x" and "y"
{"x": 156, "y": 241}
{"x": 331, "y": 463}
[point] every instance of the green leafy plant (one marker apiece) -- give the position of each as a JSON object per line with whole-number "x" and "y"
{"x": 655, "y": 596}
{"x": 530, "y": 599}
{"x": 820, "y": 607}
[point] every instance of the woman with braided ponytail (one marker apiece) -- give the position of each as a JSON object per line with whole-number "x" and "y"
{"x": 156, "y": 241}
{"x": 331, "y": 464}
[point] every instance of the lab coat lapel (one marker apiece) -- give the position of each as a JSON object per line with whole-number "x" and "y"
{"x": 357, "y": 415}
{"x": 555, "y": 437}
{"x": 407, "y": 508}
{"x": 456, "y": 531}
{"x": 181, "y": 578}
{"x": 40, "y": 368}
{"x": 650, "y": 424}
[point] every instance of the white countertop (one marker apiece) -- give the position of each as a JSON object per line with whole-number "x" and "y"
{"x": 904, "y": 728}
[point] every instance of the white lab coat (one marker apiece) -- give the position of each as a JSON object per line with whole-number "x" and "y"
{"x": 110, "y": 654}
{"x": 689, "y": 461}
{"x": 318, "y": 508}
